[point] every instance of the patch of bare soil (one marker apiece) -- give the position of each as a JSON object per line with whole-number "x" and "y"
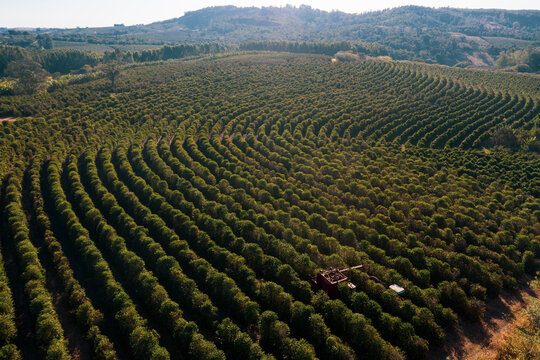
{"x": 476, "y": 39}
{"x": 8, "y": 119}
{"x": 476, "y": 60}
{"x": 479, "y": 340}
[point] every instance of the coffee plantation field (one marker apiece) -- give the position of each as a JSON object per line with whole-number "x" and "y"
{"x": 183, "y": 213}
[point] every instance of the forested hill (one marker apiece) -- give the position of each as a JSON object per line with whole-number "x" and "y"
{"x": 446, "y": 36}
{"x": 306, "y": 23}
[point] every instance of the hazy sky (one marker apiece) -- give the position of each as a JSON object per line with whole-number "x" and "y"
{"x": 73, "y": 13}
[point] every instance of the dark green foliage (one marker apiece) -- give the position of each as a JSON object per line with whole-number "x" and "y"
{"x": 64, "y": 61}
{"x": 275, "y": 337}
{"x": 49, "y": 333}
{"x": 177, "y": 52}
{"x": 9, "y": 54}
{"x": 143, "y": 342}
{"x": 330, "y": 48}
{"x": 196, "y": 200}
{"x": 8, "y": 329}
{"x": 29, "y": 76}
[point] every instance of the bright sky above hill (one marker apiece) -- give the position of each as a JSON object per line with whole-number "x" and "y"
{"x": 83, "y": 13}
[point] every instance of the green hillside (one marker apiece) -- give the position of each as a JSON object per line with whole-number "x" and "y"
{"x": 445, "y": 36}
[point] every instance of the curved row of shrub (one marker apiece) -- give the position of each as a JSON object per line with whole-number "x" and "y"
{"x": 8, "y": 350}
{"x": 147, "y": 287}
{"x": 88, "y": 317}
{"x": 270, "y": 295}
{"x": 143, "y": 342}
{"x": 49, "y": 332}
{"x": 267, "y": 293}
{"x": 431, "y": 333}
{"x": 168, "y": 266}
{"x": 205, "y": 207}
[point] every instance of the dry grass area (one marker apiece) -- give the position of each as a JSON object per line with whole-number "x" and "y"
{"x": 476, "y": 39}
{"x": 484, "y": 340}
{"x": 476, "y": 60}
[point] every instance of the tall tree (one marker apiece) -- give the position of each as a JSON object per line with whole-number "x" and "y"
{"x": 30, "y": 76}
{"x": 111, "y": 71}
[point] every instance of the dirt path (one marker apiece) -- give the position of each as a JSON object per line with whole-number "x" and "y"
{"x": 8, "y": 119}
{"x": 479, "y": 341}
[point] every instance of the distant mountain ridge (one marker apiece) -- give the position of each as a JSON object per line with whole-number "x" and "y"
{"x": 493, "y": 22}
{"x": 444, "y": 35}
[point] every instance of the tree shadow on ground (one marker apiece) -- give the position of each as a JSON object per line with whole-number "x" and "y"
{"x": 469, "y": 338}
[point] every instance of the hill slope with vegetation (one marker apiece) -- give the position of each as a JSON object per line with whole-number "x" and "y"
{"x": 481, "y": 38}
